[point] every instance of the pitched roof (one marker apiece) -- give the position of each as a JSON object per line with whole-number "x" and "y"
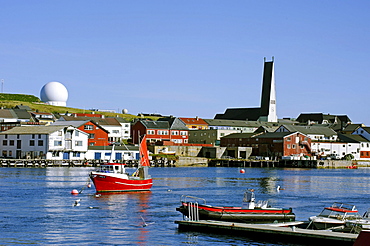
{"x": 22, "y": 114}
{"x": 352, "y": 127}
{"x": 350, "y": 138}
{"x": 100, "y": 121}
{"x": 195, "y": 121}
{"x": 239, "y": 135}
{"x": 251, "y": 114}
{"x": 234, "y": 123}
{"x": 155, "y": 124}
{"x": 7, "y": 114}
{"x": 75, "y": 123}
{"x": 274, "y": 135}
{"x": 174, "y": 123}
{"x": 23, "y": 130}
{"x": 312, "y": 129}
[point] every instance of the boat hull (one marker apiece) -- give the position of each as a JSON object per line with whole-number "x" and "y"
{"x": 238, "y": 214}
{"x": 112, "y": 183}
{"x": 325, "y": 223}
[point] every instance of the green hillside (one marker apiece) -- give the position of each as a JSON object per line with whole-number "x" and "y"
{"x": 12, "y": 100}
{"x": 18, "y": 97}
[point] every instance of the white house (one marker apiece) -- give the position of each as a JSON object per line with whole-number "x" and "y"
{"x": 119, "y": 153}
{"x": 44, "y": 142}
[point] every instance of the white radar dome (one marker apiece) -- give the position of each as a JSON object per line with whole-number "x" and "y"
{"x": 124, "y": 111}
{"x": 54, "y": 93}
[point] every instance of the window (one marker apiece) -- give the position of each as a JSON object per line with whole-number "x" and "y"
{"x": 115, "y": 131}
{"x": 293, "y": 146}
{"x": 6, "y": 135}
{"x": 175, "y": 133}
{"x": 76, "y": 154}
{"x": 39, "y": 135}
{"x": 288, "y": 146}
{"x": 32, "y": 142}
{"x": 40, "y": 143}
{"x": 91, "y": 136}
{"x": 11, "y": 142}
{"x": 88, "y": 127}
{"x": 33, "y": 136}
{"x": 78, "y": 143}
{"x": 57, "y": 143}
{"x": 77, "y": 133}
{"x": 183, "y": 133}
{"x": 288, "y": 139}
{"x": 5, "y": 142}
{"x": 151, "y": 132}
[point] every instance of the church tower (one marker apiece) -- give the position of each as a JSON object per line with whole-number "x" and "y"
{"x": 268, "y": 97}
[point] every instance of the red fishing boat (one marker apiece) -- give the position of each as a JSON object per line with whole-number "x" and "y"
{"x": 112, "y": 177}
{"x": 195, "y": 208}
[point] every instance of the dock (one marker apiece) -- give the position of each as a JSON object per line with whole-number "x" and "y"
{"x": 271, "y": 232}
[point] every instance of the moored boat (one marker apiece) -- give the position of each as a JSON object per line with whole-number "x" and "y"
{"x": 335, "y": 216}
{"x": 195, "y": 208}
{"x": 112, "y": 177}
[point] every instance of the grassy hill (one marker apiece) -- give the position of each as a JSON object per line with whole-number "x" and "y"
{"x": 12, "y": 100}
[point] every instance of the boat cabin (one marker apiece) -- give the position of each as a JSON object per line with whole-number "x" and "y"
{"x": 341, "y": 211}
{"x": 112, "y": 168}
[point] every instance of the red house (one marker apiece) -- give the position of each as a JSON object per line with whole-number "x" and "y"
{"x": 275, "y": 144}
{"x": 166, "y": 129}
{"x": 98, "y": 136}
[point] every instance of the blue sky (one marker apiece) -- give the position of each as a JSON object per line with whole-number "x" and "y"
{"x": 190, "y": 58}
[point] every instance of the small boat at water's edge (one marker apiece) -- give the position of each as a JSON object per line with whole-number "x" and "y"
{"x": 335, "y": 216}
{"x": 196, "y": 208}
{"x": 112, "y": 177}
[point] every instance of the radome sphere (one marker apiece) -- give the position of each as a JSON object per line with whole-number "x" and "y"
{"x": 124, "y": 111}
{"x": 54, "y": 93}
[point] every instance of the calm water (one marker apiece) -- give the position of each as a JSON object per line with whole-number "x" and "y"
{"x": 37, "y": 208}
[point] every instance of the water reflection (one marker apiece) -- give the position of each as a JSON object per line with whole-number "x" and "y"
{"x": 37, "y": 206}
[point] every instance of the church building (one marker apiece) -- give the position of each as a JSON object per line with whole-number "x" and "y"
{"x": 267, "y": 111}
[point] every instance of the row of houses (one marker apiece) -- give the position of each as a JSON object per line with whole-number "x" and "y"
{"x": 82, "y": 136}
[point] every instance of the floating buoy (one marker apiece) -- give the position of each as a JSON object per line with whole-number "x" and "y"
{"x": 74, "y": 192}
{"x": 88, "y": 185}
{"x": 242, "y": 171}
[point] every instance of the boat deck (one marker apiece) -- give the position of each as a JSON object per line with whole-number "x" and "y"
{"x": 282, "y": 232}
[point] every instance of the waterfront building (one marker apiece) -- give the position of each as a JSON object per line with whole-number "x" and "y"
{"x": 97, "y": 135}
{"x": 274, "y": 145}
{"x": 170, "y": 129}
{"x": 110, "y": 124}
{"x": 316, "y": 133}
{"x": 120, "y": 153}
{"x": 337, "y": 122}
{"x": 44, "y": 142}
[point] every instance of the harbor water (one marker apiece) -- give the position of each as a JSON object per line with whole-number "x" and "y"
{"x": 37, "y": 207}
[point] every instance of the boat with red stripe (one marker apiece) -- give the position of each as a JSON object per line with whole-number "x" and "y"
{"x": 251, "y": 212}
{"x": 112, "y": 177}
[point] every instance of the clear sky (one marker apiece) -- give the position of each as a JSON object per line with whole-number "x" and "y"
{"x": 190, "y": 58}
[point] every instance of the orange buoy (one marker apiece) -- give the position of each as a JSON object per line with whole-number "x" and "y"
{"x": 242, "y": 171}
{"x": 74, "y": 192}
